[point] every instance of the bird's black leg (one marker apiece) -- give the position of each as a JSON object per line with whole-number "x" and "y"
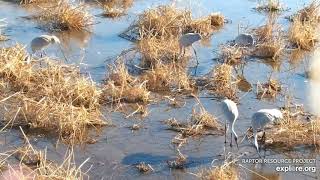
{"x": 231, "y": 140}
{"x": 195, "y": 53}
{"x": 225, "y": 133}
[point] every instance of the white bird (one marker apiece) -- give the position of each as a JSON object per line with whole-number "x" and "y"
{"x": 261, "y": 118}
{"x": 231, "y": 113}
{"x": 186, "y": 41}
{"x": 39, "y": 43}
{"x": 244, "y": 40}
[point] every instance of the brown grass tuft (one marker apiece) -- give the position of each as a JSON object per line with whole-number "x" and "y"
{"x": 233, "y": 55}
{"x": 65, "y": 16}
{"x": 114, "y": 8}
{"x": 227, "y": 171}
{"x": 120, "y": 86}
{"x": 303, "y": 34}
{"x": 270, "y": 6}
{"x": 221, "y": 82}
{"x": 269, "y": 89}
{"x": 167, "y": 22}
{"x": 273, "y": 49}
{"x": 309, "y": 13}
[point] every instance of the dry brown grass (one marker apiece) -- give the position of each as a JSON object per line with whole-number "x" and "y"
{"x": 303, "y": 34}
{"x": 200, "y": 123}
{"x": 154, "y": 51}
{"x": 296, "y": 129}
{"x": 269, "y": 89}
{"x": 168, "y": 22}
{"x": 233, "y": 55}
{"x": 114, "y": 8}
{"x": 53, "y": 96}
{"x": 273, "y": 49}
{"x": 309, "y": 13}
{"x": 64, "y": 16}
{"x": 270, "y": 6}
{"x": 227, "y": 171}
{"x": 120, "y": 86}
{"x": 221, "y": 82}
{"x": 38, "y": 1}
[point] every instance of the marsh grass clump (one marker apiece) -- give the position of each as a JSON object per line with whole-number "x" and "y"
{"x": 169, "y": 78}
{"x": 121, "y": 86}
{"x": 296, "y": 129}
{"x": 270, "y": 6}
{"x": 269, "y": 89}
{"x": 303, "y": 35}
{"x": 272, "y": 49}
{"x": 65, "y": 16}
{"x": 53, "y": 96}
{"x": 144, "y": 168}
{"x": 309, "y": 13}
{"x": 233, "y": 55}
{"x": 38, "y": 1}
{"x": 227, "y": 171}
{"x": 203, "y": 117}
{"x": 167, "y": 22}
{"x": 200, "y": 123}
{"x": 114, "y": 8}
{"x": 221, "y": 82}
{"x": 154, "y": 51}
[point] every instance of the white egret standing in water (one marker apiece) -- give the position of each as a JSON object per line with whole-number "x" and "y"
{"x": 231, "y": 113}
{"x": 40, "y": 43}
{"x": 260, "y": 119}
{"x": 186, "y": 41}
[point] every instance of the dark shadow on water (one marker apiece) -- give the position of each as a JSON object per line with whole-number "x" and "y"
{"x": 161, "y": 159}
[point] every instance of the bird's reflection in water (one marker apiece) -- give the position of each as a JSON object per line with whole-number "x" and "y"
{"x": 314, "y": 83}
{"x": 72, "y": 40}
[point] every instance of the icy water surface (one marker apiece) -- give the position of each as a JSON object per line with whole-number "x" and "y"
{"x": 118, "y": 148}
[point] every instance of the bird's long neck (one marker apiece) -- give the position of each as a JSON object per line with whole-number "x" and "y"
{"x": 232, "y": 128}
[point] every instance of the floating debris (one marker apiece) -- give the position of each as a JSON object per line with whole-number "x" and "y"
{"x": 144, "y": 168}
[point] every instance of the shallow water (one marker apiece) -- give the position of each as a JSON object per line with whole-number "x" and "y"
{"x": 118, "y": 148}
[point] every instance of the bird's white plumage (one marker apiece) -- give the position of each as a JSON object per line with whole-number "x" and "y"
{"x": 231, "y": 113}
{"x": 261, "y": 118}
{"x": 188, "y": 39}
{"x": 244, "y": 40}
{"x": 41, "y": 42}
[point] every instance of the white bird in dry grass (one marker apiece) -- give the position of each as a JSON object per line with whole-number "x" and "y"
{"x": 186, "y": 41}
{"x": 260, "y": 119}
{"x": 244, "y": 40}
{"x": 39, "y": 43}
{"x": 231, "y": 113}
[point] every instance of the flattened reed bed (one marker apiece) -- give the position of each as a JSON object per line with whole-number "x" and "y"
{"x": 38, "y": 1}
{"x": 52, "y": 96}
{"x": 65, "y": 16}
